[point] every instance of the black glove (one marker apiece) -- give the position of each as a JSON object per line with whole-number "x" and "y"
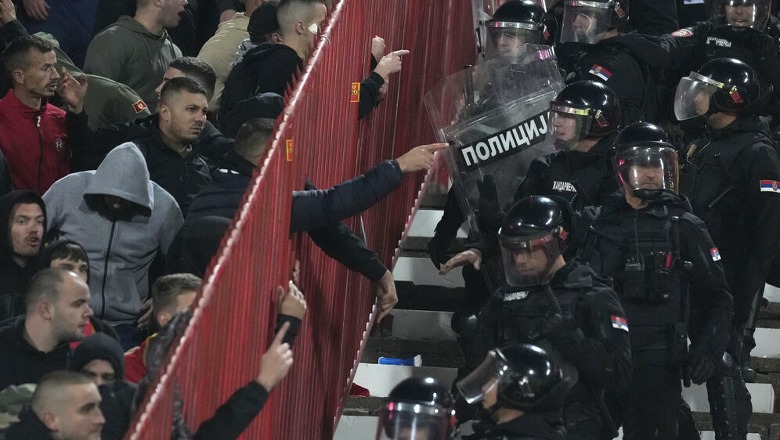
{"x": 439, "y": 245}
{"x": 490, "y": 213}
{"x": 557, "y": 328}
{"x": 702, "y": 367}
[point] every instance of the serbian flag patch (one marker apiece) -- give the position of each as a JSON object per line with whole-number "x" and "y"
{"x": 601, "y": 72}
{"x": 139, "y": 106}
{"x": 619, "y": 322}
{"x": 769, "y": 186}
{"x": 685, "y": 32}
{"x": 715, "y": 254}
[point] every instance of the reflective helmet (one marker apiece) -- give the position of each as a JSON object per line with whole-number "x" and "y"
{"x": 742, "y": 13}
{"x": 721, "y": 85}
{"x": 525, "y": 377}
{"x": 645, "y": 161}
{"x": 532, "y": 223}
{"x": 515, "y": 23}
{"x": 583, "y": 109}
{"x": 417, "y": 408}
{"x": 585, "y": 21}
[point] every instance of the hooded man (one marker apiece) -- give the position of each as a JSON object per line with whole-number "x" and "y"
{"x": 123, "y": 220}
{"x": 23, "y": 217}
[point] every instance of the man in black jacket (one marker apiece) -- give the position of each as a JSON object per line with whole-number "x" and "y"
{"x": 271, "y": 67}
{"x": 57, "y": 313}
{"x": 23, "y": 220}
{"x": 65, "y": 405}
{"x": 319, "y": 212}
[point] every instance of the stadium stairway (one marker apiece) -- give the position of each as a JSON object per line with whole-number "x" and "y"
{"x": 420, "y": 325}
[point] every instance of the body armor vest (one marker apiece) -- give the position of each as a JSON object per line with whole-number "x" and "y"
{"x": 638, "y": 251}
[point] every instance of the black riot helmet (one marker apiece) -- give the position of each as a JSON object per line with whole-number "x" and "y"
{"x": 532, "y": 223}
{"x": 645, "y": 161}
{"x": 583, "y": 109}
{"x": 525, "y": 377}
{"x": 721, "y": 85}
{"x": 418, "y": 408}
{"x": 515, "y": 23}
{"x": 586, "y": 21}
{"x": 742, "y": 14}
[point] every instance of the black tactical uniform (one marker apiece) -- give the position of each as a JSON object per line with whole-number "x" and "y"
{"x": 530, "y": 388}
{"x": 665, "y": 268}
{"x": 575, "y": 313}
{"x": 731, "y": 176}
{"x": 604, "y": 59}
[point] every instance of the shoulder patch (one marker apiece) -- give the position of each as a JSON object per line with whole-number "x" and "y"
{"x": 619, "y": 322}
{"x": 684, "y": 32}
{"x": 715, "y": 253}
{"x": 769, "y": 186}
{"x": 600, "y": 72}
{"x": 139, "y": 106}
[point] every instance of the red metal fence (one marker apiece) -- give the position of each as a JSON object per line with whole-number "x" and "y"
{"x": 318, "y": 137}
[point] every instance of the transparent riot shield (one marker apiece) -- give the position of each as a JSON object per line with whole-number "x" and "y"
{"x": 495, "y": 117}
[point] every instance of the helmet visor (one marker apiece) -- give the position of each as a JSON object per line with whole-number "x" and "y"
{"x": 527, "y": 260}
{"x": 742, "y": 14}
{"x": 569, "y": 126}
{"x": 505, "y": 37}
{"x": 585, "y": 21}
{"x": 412, "y": 421}
{"x": 647, "y": 170}
{"x": 693, "y": 96}
{"x": 474, "y": 386}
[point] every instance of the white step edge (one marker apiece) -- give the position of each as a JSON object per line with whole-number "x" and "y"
{"x": 762, "y": 396}
{"x": 767, "y": 343}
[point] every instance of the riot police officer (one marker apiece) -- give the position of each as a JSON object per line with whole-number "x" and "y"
{"x": 584, "y": 117}
{"x": 562, "y": 306}
{"x": 522, "y": 388}
{"x": 665, "y": 269}
{"x": 515, "y": 23}
{"x": 418, "y": 408}
{"x": 738, "y": 29}
{"x": 731, "y": 176}
{"x": 588, "y": 51}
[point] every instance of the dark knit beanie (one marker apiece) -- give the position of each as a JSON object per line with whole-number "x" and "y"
{"x": 99, "y": 346}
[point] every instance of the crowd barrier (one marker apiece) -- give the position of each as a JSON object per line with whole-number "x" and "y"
{"x": 319, "y": 137}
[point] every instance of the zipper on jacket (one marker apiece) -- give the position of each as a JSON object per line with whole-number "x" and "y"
{"x": 40, "y": 149}
{"x": 105, "y": 268}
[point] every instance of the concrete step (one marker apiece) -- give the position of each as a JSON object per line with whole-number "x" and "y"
{"x": 422, "y": 325}
{"x": 762, "y": 396}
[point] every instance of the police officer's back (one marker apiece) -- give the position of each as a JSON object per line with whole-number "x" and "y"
{"x": 563, "y": 306}
{"x": 522, "y": 389}
{"x": 665, "y": 268}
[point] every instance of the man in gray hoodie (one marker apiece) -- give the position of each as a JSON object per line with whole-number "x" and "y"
{"x": 123, "y": 220}
{"x": 137, "y": 50}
